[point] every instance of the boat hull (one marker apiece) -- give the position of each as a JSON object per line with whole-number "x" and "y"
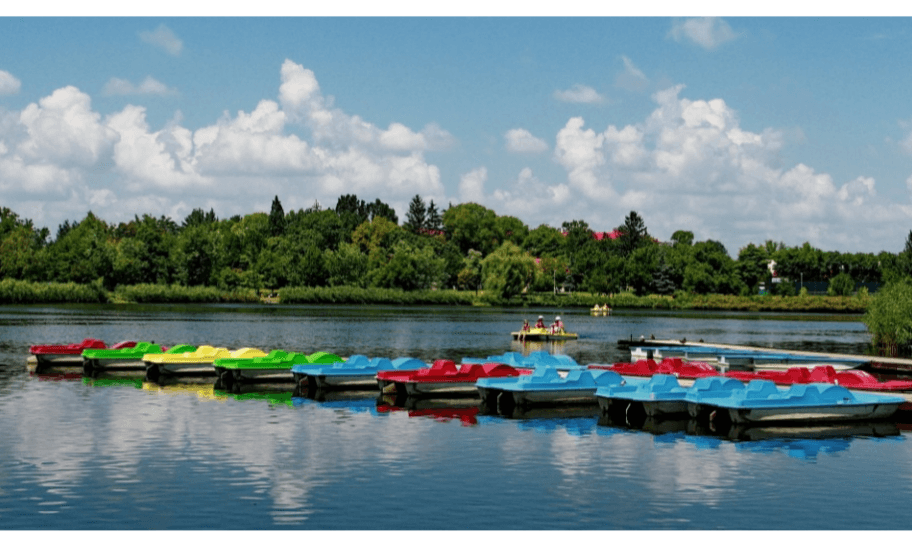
{"x": 92, "y": 366}
{"x": 808, "y": 415}
{"x": 527, "y": 336}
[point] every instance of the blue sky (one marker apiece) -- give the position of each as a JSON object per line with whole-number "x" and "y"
{"x": 740, "y": 129}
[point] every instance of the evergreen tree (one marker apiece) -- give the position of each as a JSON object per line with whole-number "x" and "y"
{"x": 379, "y": 208}
{"x": 416, "y": 217}
{"x": 276, "y": 218}
{"x": 633, "y": 233}
{"x": 434, "y": 220}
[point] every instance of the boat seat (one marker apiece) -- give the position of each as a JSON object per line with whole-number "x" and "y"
{"x": 761, "y": 388}
{"x": 822, "y": 374}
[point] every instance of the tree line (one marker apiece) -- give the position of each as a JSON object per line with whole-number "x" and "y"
{"x": 465, "y": 246}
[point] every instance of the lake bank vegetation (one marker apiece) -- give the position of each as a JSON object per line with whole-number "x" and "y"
{"x": 359, "y": 253}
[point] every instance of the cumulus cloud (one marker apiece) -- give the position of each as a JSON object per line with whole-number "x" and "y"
{"x": 149, "y": 86}
{"x": 522, "y": 141}
{"x": 301, "y": 144}
{"x": 579, "y": 93}
{"x": 691, "y": 165}
{"x": 471, "y": 185}
{"x": 163, "y": 38}
{"x": 528, "y": 197}
{"x": 706, "y": 32}
{"x": 9, "y": 84}
{"x": 63, "y": 129}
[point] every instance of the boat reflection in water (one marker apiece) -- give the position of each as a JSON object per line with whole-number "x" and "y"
{"x": 803, "y": 442}
{"x": 465, "y": 410}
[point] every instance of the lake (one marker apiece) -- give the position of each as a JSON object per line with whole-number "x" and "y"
{"x": 117, "y": 453}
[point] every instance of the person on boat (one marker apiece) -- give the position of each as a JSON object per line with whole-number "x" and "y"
{"x": 541, "y": 322}
{"x": 526, "y": 326}
{"x": 557, "y": 327}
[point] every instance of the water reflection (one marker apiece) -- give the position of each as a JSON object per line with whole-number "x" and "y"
{"x": 116, "y": 452}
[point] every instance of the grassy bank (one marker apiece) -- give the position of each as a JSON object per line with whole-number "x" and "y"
{"x": 386, "y": 296}
{"x": 22, "y": 292}
{"x": 12, "y": 291}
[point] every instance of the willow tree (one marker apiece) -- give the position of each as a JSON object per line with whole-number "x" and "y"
{"x": 507, "y": 271}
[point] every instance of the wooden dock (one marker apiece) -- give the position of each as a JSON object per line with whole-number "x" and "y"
{"x": 884, "y": 363}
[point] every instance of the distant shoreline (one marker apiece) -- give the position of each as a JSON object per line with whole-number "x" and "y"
{"x": 23, "y": 292}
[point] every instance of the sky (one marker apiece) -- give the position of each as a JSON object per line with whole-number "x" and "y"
{"x": 738, "y": 129}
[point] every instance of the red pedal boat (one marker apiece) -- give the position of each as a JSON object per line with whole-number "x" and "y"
{"x": 57, "y": 355}
{"x": 444, "y": 377}
{"x": 851, "y": 379}
{"x": 669, "y": 366}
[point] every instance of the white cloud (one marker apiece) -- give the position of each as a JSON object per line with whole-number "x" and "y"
{"x": 63, "y": 150}
{"x": 164, "y": 38}
{"x": 579, "y": 93}
{"x": 471, "y": 185}
{"x": 9, "y": 84}
{"x": 149, "y": 86}
{"x": 522, "y": 141}
{"x": 706, "y": 32}
{"x": 691, "y": 165}
{"x": 632, "y": 78}
{"x": 529, "y": 197}
{"x": 63, "y": 129}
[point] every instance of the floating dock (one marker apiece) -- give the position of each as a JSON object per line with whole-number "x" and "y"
{"x": 883, "y": 363}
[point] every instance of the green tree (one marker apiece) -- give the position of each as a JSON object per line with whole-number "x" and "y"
{"x": 507, "y": 271}
{"x": 346, "y": 266}
{"x": 416, "y": 217}
{"x": 841, "y": 285}
{"x": 434, "y": 220}
{"x": 633, "y": 234}
{"x": 410, "y": 268}
{"x": 545, "y": 241}
{"x": 276, "y": 218}
{"x": 471, "y": 226}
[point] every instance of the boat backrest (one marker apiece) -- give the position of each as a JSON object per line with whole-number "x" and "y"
{"x": 822, "y": 374}
{"x": 761, "y": 389}
{"x": 544, "y": 374}
{"x": 663, "y": 383}
{"x": 605, "y": 378}
{"x": 408, "y": 363}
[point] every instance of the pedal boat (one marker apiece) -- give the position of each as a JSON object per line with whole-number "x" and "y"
{"x": 761, "y": 402}
{"x": 536, "y": 359}
{"x": 545, "y": 385}
{"x": 44, "y": 357}
{"x": 660, "y": 396}
{"x": 685, "y": 372}
{"x": 96, "y": 361}
{"x": 275, "y": 367}
{"x": 358, "y": 372}
{"x": 543, "y": 334}
{"x": 193, "y": 362}
{"x": 443, "y": 378}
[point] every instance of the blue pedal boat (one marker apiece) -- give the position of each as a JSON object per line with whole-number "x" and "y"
{"x": 545, "y": 385}
{"x": 358, "y": 372}
{"x": 535, "y": 359}
{"x": 761, "y": 402}
{"x": 660, "y": 396}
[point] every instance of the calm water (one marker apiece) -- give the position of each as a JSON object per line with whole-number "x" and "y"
{"x": 114, "y": 453}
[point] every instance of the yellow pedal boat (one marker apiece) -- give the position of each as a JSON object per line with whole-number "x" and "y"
{"x": 198, "y": 362}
